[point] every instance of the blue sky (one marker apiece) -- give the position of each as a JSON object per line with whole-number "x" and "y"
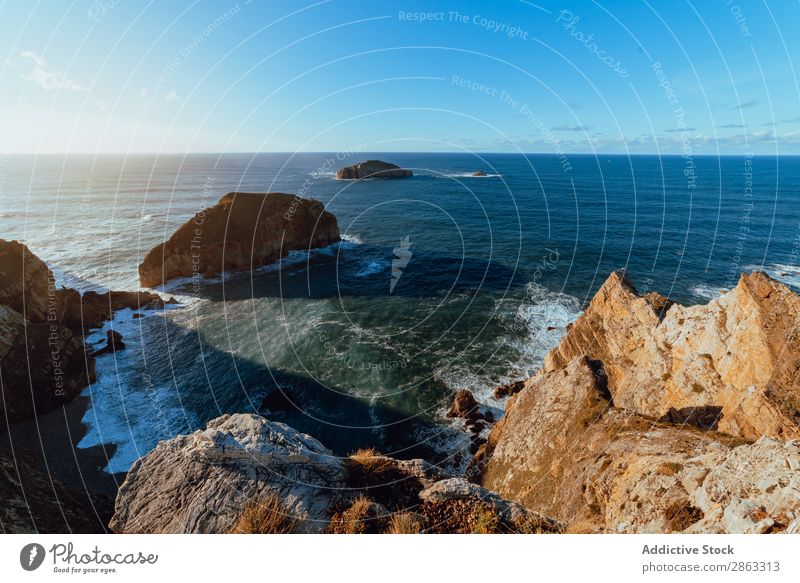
{"x": 505, "y": 76}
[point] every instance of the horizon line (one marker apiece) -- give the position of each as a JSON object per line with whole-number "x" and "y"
{"x": 246, "y": 152}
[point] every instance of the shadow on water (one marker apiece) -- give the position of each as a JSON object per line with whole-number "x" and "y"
{"x": 202, "y": 382}
{"x": 365, "y": 271}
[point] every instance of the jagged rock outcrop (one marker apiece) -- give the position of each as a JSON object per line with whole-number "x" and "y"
{"x": 201, "y": 483}
{"x": 643, "y": 418}
{"x": 81, "y": 313}
{"x": 242, "y": 231}
{"x": 42, "y": 365}
{"x": 43, "y": 361}
{"x": 27, "y": 285}
{"x": 372, "y": 169}
{"x": 731, "y": 364}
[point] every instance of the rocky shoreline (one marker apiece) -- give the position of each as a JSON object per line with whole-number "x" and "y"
{"x": 648, "y": 417}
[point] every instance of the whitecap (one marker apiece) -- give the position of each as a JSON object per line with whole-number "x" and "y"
{"x": 372, "y": 266}
{"x": 786, "y": 273}
{"x": 706, "y": 292}
{"x": 351, "y": 239}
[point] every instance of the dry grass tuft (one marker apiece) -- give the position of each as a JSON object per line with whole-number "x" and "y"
{"x": 405, "y": 523}
{"x": 358, "y": 518}
{"x": 366, "y": 464}
{"x": 267, "y": 516}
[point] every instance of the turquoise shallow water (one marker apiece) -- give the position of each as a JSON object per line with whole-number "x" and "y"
{"x": 443, "y": 280}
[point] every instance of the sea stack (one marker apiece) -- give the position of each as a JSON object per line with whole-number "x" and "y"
{"x": 242, "y": 231}
{"x": 372, "y": 169}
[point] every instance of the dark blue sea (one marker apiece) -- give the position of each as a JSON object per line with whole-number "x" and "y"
{"x": 443, "y": 280}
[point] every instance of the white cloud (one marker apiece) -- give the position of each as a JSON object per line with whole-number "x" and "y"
{"x": 171, "y": 96}
{"x": 46, "y": 78}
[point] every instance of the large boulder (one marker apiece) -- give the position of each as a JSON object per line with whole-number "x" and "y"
{"x": 42, "y": 365}
{"x": 372, "y": 169}
{"x": 730, "y": 365}
{"x": 242, "y": 231}
{"x": 201, "y": 483}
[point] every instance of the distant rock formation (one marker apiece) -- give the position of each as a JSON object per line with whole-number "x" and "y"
{"x": 372, "y": 169}
{"x": 206, "y": 481}
{"x": 242, "y": 231}
{"x": 654, "y": 417}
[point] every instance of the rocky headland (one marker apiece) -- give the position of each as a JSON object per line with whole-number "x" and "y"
{"x": 649, "y": 416}
{"x": 372, "y": 169}
{"x": 242, "y": 231}
{"x": 44, "y": 364}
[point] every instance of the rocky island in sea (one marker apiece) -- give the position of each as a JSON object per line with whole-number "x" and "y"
{"x": 372, "y": 169}
{"x": 243, "y": 230}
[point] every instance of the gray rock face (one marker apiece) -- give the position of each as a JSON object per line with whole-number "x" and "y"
{"x": 372, "y": 169}
{"x": 201, "y": 483}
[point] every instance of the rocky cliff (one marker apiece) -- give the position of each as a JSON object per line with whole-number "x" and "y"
{"x": 43, "y": 361}
{"x": 242, "y": 231}
{"x": 730, "y": 365}
{"x": 655, "y": 417}
{"x": 372, "y": 169}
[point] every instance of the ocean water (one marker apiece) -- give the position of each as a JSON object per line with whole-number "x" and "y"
{"x": 443, "y": 280}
